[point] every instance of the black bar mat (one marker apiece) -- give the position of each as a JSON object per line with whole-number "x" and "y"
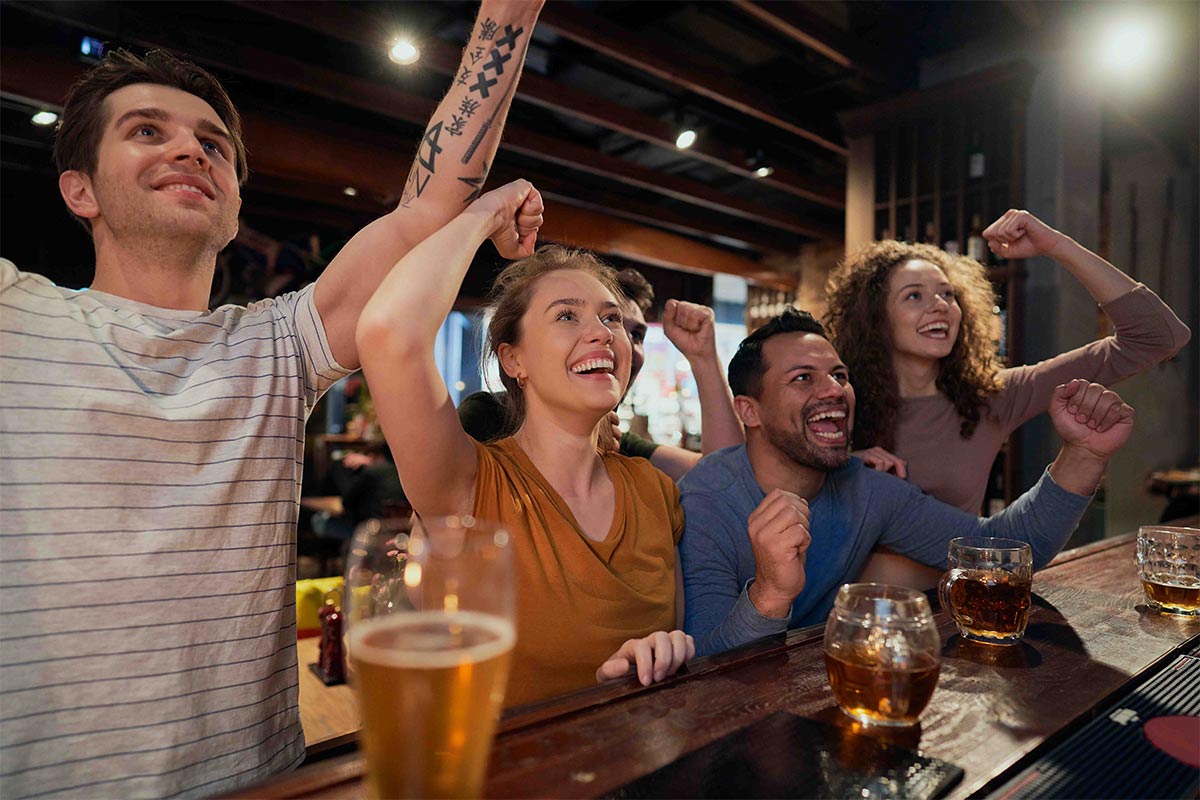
{"x": 784, "y": 755}
{"x": 1111, "y": 756}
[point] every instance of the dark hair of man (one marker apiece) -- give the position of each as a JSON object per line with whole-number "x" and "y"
{"x": 747, "y": 367}
{"x": 84, "y": 117}
{"x": 636, "y": 288}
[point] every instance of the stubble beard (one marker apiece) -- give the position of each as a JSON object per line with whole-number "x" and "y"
{"x": 796, "y": 445}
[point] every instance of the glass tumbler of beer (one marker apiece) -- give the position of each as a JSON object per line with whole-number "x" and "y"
{"x": 431, "y": 630}
{"x": 882, "y": 652}
{"x": 1169, "y": 565}
{"x": 987, "y": 589}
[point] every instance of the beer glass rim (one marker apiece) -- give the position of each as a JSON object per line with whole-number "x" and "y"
{"x": 1182, "y": 530}
{"x": 896, "y": 597}
{"x": 990, "y": 543}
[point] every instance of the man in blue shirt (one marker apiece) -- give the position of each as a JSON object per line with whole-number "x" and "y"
{"x": 776, "y": 525}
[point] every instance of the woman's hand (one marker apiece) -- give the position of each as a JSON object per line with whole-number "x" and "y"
{"x": 512, "y": 215}
{"x": 1019, "y": 234}
{"x": 882, "y": 460}
{"x": 656, "y": 656}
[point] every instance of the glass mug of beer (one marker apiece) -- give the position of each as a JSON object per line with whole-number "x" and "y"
{"x": 1169, "y": 566}
{"x": 987, "y": 589}
{"x": 882, "y": 652}
{"x": 431, "y": 630}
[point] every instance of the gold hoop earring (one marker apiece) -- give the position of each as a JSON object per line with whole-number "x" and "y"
{"x": 520, "y": 381}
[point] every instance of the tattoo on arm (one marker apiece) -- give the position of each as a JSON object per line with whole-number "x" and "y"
{"x": 508, "y": 42}
{"x": 476, "y": 184}
{"x": 427, "y": 153}
{"x": 430, "y": 148}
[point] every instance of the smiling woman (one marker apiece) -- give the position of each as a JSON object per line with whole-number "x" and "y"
{"x": 595, "y": 533}
{"x": 914, "y": 325}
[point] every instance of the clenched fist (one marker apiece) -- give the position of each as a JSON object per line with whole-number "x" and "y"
{"x": 778, "y": 531}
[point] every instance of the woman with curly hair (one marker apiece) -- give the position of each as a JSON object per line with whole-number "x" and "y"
{"x": 913, "y": 323}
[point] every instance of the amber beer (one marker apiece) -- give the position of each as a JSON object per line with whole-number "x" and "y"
{"x": 874, "y": 692}
{"x": 1178, "y": 595}
{"x": 430, "y": 686}
{"x": 1169, "y": 565}
{"x": 990, "y": 606}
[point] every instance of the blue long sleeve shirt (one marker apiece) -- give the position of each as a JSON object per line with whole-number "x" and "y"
{"x": 857, "y": 509}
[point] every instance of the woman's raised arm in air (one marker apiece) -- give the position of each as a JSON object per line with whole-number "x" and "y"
{"x": 396, "y": 334}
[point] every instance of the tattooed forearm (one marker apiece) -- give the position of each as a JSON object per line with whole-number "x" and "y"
{"x": 508, "y": 42}
{"x": 476, "y": 184}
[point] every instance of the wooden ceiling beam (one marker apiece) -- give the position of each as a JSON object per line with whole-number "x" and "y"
{"x": 358, "y": 28}
{"x": 398, "y": 104}
{"x": 812, "y": 31}
{"x": 757, "y": 239}
{"x": 688, "y": 70}
{"x": 312, "y": 157}
{"x": 605, "y": 234}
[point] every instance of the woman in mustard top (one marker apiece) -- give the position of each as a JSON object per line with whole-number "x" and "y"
{"x": 598, "y": 586}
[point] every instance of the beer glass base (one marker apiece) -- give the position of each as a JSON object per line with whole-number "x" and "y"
{"x": 1176, "y": 611}
{"x": 992, "y": 638}
{"x": 878, "y": 721}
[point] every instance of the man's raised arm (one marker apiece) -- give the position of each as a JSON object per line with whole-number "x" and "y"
{"x": 451, "y": 164}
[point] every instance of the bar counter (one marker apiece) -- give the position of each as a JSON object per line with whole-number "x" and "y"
{"x": 1090, "y": 635}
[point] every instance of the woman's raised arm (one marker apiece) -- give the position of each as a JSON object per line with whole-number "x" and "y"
{"x": 395, "y": 339}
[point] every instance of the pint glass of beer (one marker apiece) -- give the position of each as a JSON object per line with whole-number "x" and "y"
{"x": 882, "y": 652}
{"x": 431, "y": 620}
{"x": 1169, "y": 565}
{"x": 987, "y": 588}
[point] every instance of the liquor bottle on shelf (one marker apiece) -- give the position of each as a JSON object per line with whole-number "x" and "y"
{"x": 951, "y": 246}
{"x": 930, "y": 234}
{"x": 976, "y": 161}
{"x": 976, "y": 246}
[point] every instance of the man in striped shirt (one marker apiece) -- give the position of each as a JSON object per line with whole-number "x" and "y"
{"x": 151, "y": 449}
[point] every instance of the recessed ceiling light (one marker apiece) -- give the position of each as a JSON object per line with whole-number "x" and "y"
{"x": 350, "y": 191}
{"x": 685, "y": 139}
{"x": 45, "y": 118}
{"x": 764, "y": 171}
{"x": 404, "y": 52}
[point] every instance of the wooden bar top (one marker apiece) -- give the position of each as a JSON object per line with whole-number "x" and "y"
{"x": 1089, "y": 634}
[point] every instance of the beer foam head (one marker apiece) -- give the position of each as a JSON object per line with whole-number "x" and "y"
{"x": 431, "y": 639}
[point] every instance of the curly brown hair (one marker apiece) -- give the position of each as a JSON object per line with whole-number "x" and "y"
{"x": 858, "y": 323}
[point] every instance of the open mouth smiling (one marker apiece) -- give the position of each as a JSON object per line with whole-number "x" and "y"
{"x": 935, "y": 330}
{"x": 187, "y": 185}
{"x": 593, "y": 366}
{"x": 828, "y": 425}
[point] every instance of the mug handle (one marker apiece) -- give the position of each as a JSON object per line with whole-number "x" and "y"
{"x": 944, "y": 593}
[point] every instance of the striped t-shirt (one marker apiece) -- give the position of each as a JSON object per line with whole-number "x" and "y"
{"x": 150, "y": 467}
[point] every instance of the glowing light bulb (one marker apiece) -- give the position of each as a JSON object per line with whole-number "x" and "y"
{"x": 685, "y": 139}
{"x": 45, "y": 118}
{"x": 404, "y": 52}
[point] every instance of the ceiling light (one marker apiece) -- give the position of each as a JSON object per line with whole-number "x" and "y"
{"x": 350, "y": 191}
{"x": 1129, "y": 44}
{"x": 404, "y": 52}
{"x": 685, "y": 139}
{"x": 45, "y": 118}
{"x": 765, "y": 171}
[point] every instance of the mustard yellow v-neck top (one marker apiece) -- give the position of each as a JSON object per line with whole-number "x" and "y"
{"x": 578, "y": 600}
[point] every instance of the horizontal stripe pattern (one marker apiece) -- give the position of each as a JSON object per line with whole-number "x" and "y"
{"x": 150, "y": 471}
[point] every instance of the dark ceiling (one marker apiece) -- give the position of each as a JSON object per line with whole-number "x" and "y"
{"x": 607, "y": 87}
